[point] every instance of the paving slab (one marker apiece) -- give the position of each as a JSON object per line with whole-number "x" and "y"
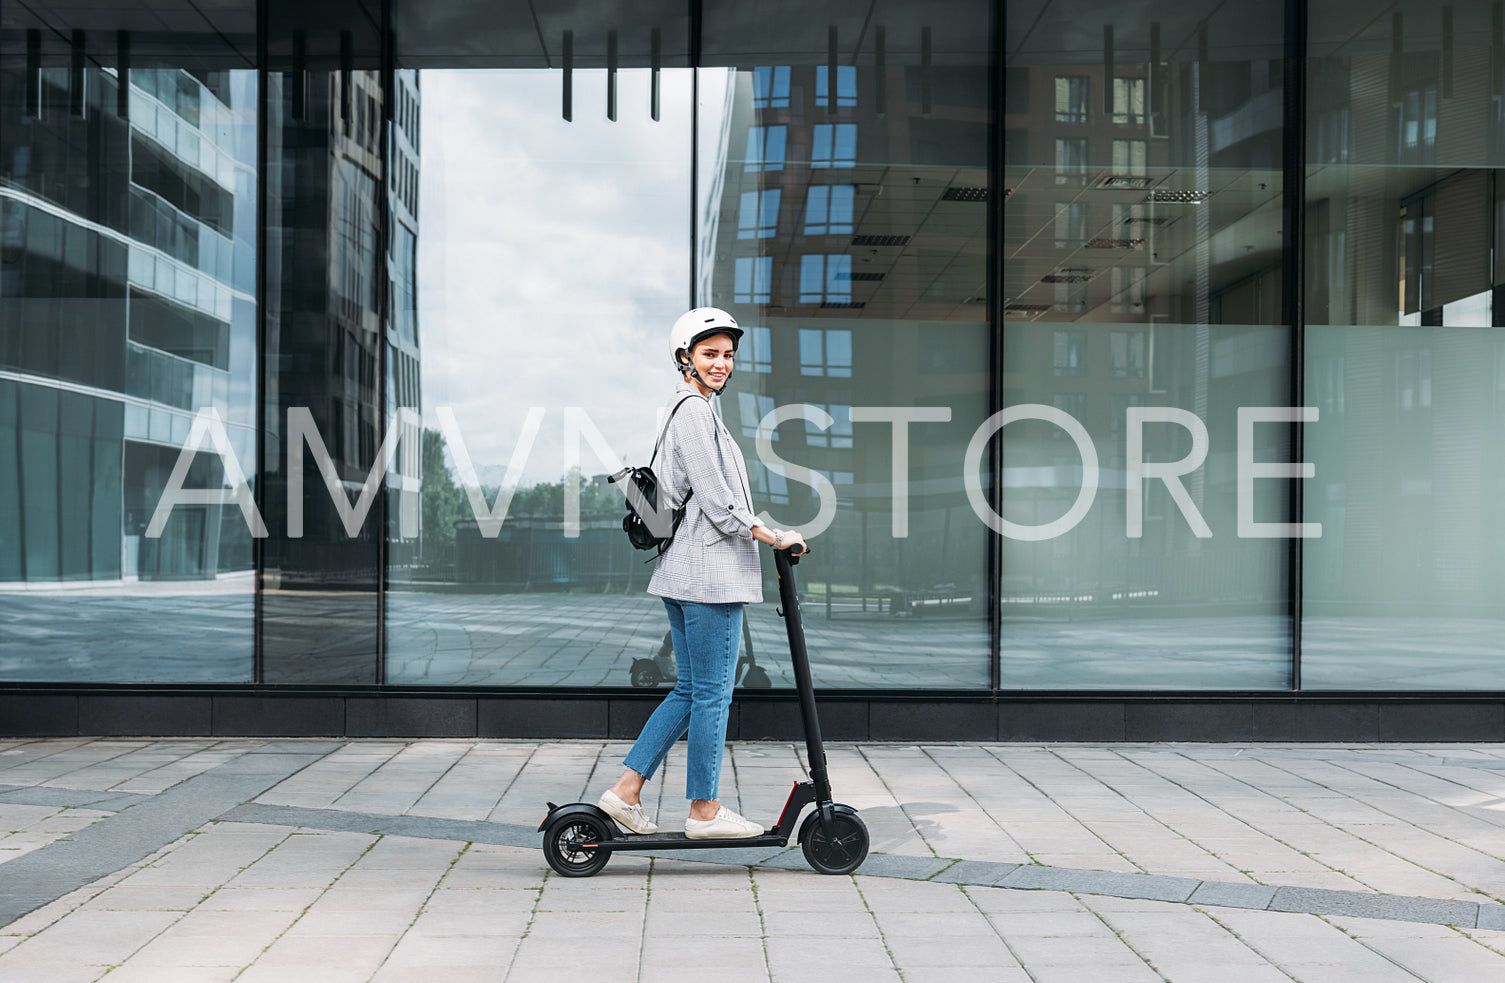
{"x": 980, "y": 872}
{"x": 389, "y": 861}
{"x": 1401, "y": 909}
{"x": 1233, "y": 895}
{"x": 914, "y": 868}
{"x": 42, "y": 875}
{"x": 108, "y": 801}
{"x": 1119, "y": 885}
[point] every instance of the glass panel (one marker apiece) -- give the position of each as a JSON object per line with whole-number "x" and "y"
{"x": 548, "y": 271}
{"x": 1142, "y": 296}
{"x": 868, "y": 305}
{"x": 322, "y": 407}
{"x": 1405, "y": 352}
{"x": 120, "y": 206}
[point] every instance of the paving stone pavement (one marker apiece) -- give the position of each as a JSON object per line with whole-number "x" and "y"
{"x": 394, "y": 861}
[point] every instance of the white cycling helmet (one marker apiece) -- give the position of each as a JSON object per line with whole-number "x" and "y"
{"x": 702, "y": 322}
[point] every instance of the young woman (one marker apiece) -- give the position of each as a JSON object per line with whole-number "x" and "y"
{"x": 705, "y": 577}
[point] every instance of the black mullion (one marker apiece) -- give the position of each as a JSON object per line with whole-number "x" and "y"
{"x": 388, "y": 84}
{"x": 263, "y": 149}
{"x": 1293, "y": 301}
{"x": 995, "y": 354}
{"x": 697, "y": 26}
{"x": 696, "y": 23}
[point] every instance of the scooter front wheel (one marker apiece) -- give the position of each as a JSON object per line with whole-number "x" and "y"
{"x": 838, "y": 850}
{"x": 564, "y": 849}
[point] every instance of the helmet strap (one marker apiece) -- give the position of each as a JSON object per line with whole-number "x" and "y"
{"x": 695, "y": 374}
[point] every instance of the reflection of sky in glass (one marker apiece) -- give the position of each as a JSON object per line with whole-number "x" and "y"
{"x": 771, "y": 87}
{"x": 826, "y": 352}
{"x": 825, "y": 278}
{"x": 828, "y": 210}
{"x": 751, "y": 409}
{"x": 752, "y": 279}
{"x": 755, "y": 353}
{"x": 846, "y": 85}
{"x": 1470, "y": 312}
{"x": 758, "y": 214}
{"x": 833, "y": 145}
{"x": 552, "y": 257}
{"x": 838, "y": 434}
{"x": 765, "y": 148}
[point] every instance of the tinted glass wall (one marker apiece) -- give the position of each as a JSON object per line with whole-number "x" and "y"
{"x": 799, "y": 178}
{"x": 324, "y": 309}
{"x": 1404, "y": 353}
{"x": 1095, "y": 349}
{"x": 551, "y": 240}
{"x": 1143, "y": 266}
{"x": 844, "y": 220}
{"x": 128, "y": 174}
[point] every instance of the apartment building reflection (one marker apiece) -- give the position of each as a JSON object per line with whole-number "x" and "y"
{"x": 848, "y": 234}
{"x": 128, "y": 299}
{"x": 127, "y": 295}
{"x": 1143, "y": 276}
{"x": 1403, "y": 237}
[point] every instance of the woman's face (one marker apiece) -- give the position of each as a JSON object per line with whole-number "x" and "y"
{"x": 713, "y": 359}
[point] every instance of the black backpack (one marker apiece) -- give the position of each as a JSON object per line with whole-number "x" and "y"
{"x": 647, "y": 526}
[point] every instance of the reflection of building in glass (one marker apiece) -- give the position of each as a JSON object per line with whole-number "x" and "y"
{"x": 128, "y": 290}
{"x": 326, "y": 324}
{"x": 1142, "y": 230}
{"x": 1100, "y": 209}
{"x": 1404, "y": 359}
{"x": 852, "y": 228}
{"x": 404, "y": 392}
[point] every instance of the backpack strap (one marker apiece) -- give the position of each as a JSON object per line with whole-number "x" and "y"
{"x": 622, "y": 474}
{"x": 665, "y": 432}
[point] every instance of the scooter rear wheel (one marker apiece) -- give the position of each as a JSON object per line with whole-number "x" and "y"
{"x": 840, "y": 850}
{"x": 563, "y": 849}
{"x": 644, "y": 673}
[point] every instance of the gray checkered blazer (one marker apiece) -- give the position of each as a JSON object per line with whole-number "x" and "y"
{"x": 713, "y": 559}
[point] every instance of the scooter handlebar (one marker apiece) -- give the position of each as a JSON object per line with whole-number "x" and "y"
{"x": 786, "y": 558}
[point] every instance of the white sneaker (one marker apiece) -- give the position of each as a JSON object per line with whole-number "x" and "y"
{"x": 727, "y": 825}
{"x": 631, "y": 816}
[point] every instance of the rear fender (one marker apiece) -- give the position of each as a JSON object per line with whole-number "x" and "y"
{"x": 580, "y": 808}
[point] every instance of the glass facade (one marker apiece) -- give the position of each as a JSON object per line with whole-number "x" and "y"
{"x": 1143, "y": 265}
{"x": 1405, "y": 214}
{"x": 128, "y": 315}
{"x": 1096, "y": 350}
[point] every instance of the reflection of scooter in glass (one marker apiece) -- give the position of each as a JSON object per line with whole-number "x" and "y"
{"x": 579, "y": 839}
{"x": 661, "y": 668}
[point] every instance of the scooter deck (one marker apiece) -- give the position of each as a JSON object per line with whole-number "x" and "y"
{"x": 679, "y": 841}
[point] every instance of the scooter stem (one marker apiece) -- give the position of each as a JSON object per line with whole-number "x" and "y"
{"x": 783, "y": 562}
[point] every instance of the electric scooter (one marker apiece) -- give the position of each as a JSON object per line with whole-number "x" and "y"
{"x": 579, "y": 838}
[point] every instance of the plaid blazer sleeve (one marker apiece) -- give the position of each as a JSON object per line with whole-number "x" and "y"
{"x": 700, "y": 460}
{"x": 713, "y": 558}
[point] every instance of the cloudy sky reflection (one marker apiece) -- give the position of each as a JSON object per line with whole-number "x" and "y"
{"x": 552, "y": 257}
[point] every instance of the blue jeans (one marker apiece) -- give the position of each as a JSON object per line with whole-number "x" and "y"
{"x": 705, "y": 639}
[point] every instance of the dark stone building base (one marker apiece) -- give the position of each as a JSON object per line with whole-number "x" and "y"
{"x": 56, "y": 711}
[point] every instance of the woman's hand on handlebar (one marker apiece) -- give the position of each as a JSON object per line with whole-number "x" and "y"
{"x": 784, "y": 538}
{"x": 791, "y": 538}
